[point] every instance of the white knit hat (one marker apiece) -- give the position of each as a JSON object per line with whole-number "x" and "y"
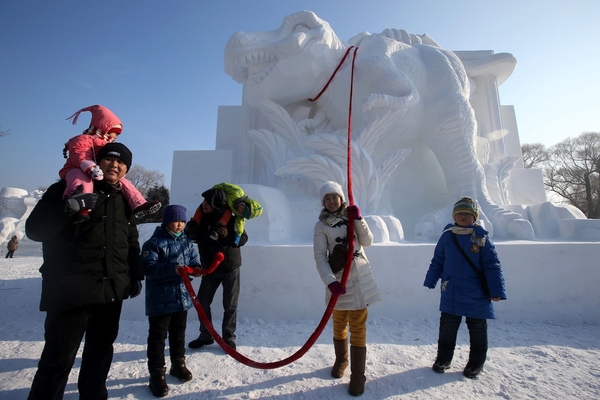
{"x": 332, "y": 187}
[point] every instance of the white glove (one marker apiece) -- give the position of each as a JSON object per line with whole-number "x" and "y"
{"x": 96, "y": 173}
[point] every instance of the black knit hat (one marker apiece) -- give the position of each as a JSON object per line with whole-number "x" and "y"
{"x": 215, "y": 198}
{"x": 118, "y": 150}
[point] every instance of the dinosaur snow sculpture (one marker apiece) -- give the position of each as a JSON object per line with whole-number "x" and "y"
{"x": 405, "y": 85}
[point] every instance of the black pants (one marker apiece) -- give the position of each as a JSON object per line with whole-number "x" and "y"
{"x": 231, "y": 293}
{"x": 64, "y": 331}
{"x": 174, "y": 324}
{"x": 449, "y": 325}
{"x": 10, "y": 253}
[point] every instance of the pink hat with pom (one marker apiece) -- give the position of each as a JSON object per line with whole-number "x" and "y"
{"x": 103, "y": 121}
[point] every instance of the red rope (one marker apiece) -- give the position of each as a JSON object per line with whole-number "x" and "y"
{"x": 334, "y": 73}
{"x": 330, "y": 306}
{"x": 205, "y": 271}
{"x": 350, "y": 230}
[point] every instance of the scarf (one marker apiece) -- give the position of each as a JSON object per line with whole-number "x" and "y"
{"x": 338, "y": 218}
{"x": 461, "y": 230}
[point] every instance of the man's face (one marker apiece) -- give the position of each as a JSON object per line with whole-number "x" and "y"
{"x": 206, "y": 208}
{"x": 113, "y": 168}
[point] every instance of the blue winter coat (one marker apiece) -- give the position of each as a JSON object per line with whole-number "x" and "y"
{"x": 462, "y": 290}
{"x": 165, "y": 291}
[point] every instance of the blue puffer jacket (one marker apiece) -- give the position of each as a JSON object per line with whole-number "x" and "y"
{"x": 462, "y": 290}
{"x": 165, "y": 291}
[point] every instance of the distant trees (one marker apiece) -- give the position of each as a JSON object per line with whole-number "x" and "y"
{"x": 571, "y": 170}
{"x": 144, "y": 179}
{"x": 160, "y": 193}
{"x": 534, "y": 155}
{"x": 151, "y": 184}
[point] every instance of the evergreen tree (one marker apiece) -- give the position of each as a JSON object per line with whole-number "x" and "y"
{"x": 160, "y": 193}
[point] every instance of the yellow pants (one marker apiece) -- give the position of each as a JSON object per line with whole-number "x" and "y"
{"x": 356, "y": 320}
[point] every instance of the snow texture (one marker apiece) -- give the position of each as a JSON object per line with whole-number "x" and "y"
{"x": 527, "y": 359}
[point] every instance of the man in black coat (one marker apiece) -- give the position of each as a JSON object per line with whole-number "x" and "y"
{"x": 228, "y": 271}
{"x": 89, "y": 268}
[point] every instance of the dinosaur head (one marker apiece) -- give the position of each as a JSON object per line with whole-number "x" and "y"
{"x": 294, "y": 59}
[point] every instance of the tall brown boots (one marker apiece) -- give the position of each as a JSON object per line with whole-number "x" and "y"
{"x": 358, "y": 358}
{"x": 341, "y": 358}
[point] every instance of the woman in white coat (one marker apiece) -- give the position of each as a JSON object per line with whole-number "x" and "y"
{"x": 350, "y": 311}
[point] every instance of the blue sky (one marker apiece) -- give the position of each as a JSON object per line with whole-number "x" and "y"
{"x": 159, "y": 66}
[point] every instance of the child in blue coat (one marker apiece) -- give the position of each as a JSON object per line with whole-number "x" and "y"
{"x": 466, "y": 290}
{"x": 164, "y": 257}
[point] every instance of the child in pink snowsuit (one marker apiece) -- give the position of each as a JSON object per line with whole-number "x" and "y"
{"x": 81, "y": 169}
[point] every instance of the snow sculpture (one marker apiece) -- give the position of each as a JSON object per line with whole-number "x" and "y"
{"x": 15, "y": 206}
{"x": 407, "y": 90}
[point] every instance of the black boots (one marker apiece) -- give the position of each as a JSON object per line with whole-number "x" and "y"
{"x": 471, "y": 370}
{"x": 198, "y": 343}
{"x": 180, "y": 371}
{"x": 158, "y": 384}
{"x": 440, "y": 366}
{"x": 341, "y": 358}
{"x": 358, "y": 358}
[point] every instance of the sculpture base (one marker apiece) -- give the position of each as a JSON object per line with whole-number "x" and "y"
{"x": 546, "y": 281}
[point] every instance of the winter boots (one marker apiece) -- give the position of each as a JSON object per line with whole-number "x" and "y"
{"x": 358, "y": 358}
{"x": 180, "y": 371}
{"x": 149, "y": 207}
{"x": 341, "y": 358}
{"x": 158, "y": 384}
{"x": 440, "y": 366}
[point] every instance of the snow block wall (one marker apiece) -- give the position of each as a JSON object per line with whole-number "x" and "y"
{"x": 546, "y": 281}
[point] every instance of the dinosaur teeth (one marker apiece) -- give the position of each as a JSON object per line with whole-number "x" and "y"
{"x": 250, "y": 59}
{"x": 259, "y": 76}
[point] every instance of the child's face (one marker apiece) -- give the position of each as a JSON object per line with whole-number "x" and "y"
{"x": 240, "y": 208}
{"x": 112, "y": 136}
{"x": 176, "y": 226}
{"x": 332, "y": 202}
{"x": 464, "y": 219}
{"x": 206, "y": 208}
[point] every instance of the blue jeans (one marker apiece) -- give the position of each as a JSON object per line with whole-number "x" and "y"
{"x": 449, "y": 325}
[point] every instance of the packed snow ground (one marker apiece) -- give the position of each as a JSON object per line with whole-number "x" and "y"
{"x": 526, "y": 360}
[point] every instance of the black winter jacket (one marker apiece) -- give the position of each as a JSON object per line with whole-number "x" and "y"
{"x": 207, "y": 247}
{"x": 92, "y": 262}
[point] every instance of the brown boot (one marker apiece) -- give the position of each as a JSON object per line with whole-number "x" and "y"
{"x": 158, "y": 384}
{"x": 180, "y": 371}
{"x": 341, "y": 357}
{"x": 358, "y": 358}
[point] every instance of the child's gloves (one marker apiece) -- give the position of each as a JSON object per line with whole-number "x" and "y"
{"x": 354, "y": 212}
{"x": 336, "y": 288}
{"x": 96, "y": 173}
{"x": 183, "y": 270}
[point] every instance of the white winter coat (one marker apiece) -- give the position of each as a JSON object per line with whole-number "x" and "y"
{"x": 361, "y": 290}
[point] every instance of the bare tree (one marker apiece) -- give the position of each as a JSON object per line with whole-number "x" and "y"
{"x": 4, "y": 132}
{"x": 144, "y": 179}
{"x": 573, "y": 172}
{"x": 534, "y": 155}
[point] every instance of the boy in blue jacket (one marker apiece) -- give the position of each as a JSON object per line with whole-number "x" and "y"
{"x": 164, "y": 257}
{"x": 468, "y": 287}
